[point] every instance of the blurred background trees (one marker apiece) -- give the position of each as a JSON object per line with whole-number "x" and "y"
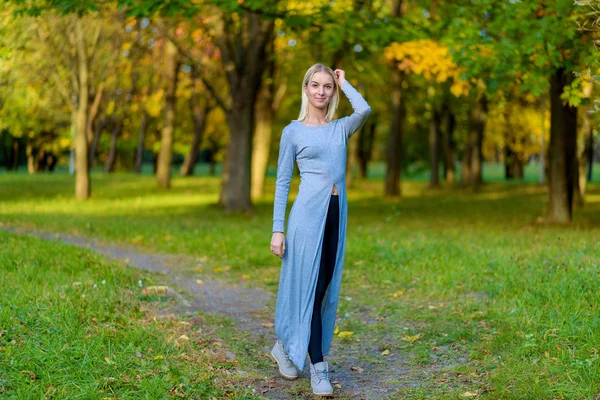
{"x": 162, "y": 88}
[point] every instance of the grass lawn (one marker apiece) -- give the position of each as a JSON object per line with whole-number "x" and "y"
{"x": 507, "y": 307}
{"x": 75, "y": 326}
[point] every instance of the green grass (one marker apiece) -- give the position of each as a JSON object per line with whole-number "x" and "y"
{"x": 505, "y": 307}
{"x": 73, "y": 326}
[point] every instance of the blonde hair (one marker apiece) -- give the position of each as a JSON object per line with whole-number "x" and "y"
{"x": 333, "y": 103}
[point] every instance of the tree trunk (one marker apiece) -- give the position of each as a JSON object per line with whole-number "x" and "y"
{"x": 263, "y": 132}
{"x": 365, "y": 145}
{"x": 393, "y": 173}
{"x": 435, "y": 139}
{"x": 449, "y": 123}
{"x": 82, "y": 174}
{"x": 13, "y": 164}
{"x": 165, "y": 155}
{"x": 109, "y": 165}
{"x": 139, "y": 152}
{"x": 561, "y": 151}
{"x": 30, "y": 156}
{"x": 241, "y": 122}
{"x": 478, "y": 120}
{"x": 396, "y": 135}
{"x": 465, "y": 170}
{"x": 199, "y": 114}
{"x": 589, "y": 148}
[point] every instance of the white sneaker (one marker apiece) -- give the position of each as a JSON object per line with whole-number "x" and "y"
{"x": 286, "y": 367}
{"x": 319, "y": 379}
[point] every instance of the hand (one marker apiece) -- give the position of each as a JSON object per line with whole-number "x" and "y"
{"x": 278, "y": 244}
{"x": 341, "y": 76}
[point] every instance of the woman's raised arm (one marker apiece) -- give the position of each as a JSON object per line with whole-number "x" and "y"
{"x": 362, "y": 110}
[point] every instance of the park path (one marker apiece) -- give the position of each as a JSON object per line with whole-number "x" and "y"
{"x": 253, "y": 311}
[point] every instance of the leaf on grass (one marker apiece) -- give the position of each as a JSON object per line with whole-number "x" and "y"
{"x": 199, "y": 281}
{"x": 398, "y": 293}
{"x": 469, "y": 395}
{"x": 30, "y": 373}
{"x": 412, "y": 339}
{"x": 336, "y": 330}
{"x": 245, "y": 276}
{"x": 127, "y": 260}
{"x": 357, "y": 369}
{"x": 267, "y": 324}
{"x": 109, "y": 361}
{"x": 385, "y": 352}
{"x": 156, "y": 358}
{"x": 157, "y": 290}
{"x": 344, "y": 334}
{"x": 183, "y": 338}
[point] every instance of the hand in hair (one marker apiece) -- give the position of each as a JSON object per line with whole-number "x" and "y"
{"x": 341, "y": 76}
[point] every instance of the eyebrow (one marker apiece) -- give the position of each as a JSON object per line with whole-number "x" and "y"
{"x": 328, "y": 83}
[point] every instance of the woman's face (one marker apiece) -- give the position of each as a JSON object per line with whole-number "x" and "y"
{"x": 320, "y": 90}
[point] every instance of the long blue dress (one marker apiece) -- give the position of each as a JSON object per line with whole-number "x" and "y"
{"x": 320, "y": 152}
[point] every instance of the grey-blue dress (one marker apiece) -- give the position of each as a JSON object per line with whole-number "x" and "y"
{"x": 320, "y": 152}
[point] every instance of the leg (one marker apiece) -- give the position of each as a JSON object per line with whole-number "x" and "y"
{"x": 328, "y": 258}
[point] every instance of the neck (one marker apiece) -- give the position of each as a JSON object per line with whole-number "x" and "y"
{"x": 316, "y": 116}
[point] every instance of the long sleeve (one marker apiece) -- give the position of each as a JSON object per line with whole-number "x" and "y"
{"x": 362, "y": 110}
{"x": 285, "y": 169}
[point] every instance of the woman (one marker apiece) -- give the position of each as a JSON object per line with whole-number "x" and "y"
{"x": 313, "y": 252}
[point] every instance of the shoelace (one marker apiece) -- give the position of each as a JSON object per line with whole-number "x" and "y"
{"x": 322, "y": 374}
{"x": 285, "y": 355}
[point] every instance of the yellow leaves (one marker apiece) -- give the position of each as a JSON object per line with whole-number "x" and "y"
{"x": 158, "y": 358}
{"x": 156, "y": 290}
{"x": 385, "y": 352}
{"x": 199, "y": 282}
{"x": 398, "y": 293}
{"x": 427, "y": 58}
{"x": 342, "y": 334}
{"x": 221, "y": 269}
{"x": 412, "y": 339}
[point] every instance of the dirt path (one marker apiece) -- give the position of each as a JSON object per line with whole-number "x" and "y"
{"x": 253, "y": 309}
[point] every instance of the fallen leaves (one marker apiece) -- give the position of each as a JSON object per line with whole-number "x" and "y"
{"x": 357, "y": 369}
{"x": 412, "y": 339}
{"x": 155, "y": 290}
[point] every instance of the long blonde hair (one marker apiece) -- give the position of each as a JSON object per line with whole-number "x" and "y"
{"x": 333, "y": 103}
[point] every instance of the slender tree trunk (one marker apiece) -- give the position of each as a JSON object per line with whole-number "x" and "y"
{"x": 263, "y": 133}
{"x": 165, "y": 155}
{"x": 396, "y": 135}
{"x": 109, "y": 165}
{"x": 449, "y": 122}
{"x": 365, "y": 145}
{"x": 82, "y": 173}
{"x": 479, "y": 118}
{"x": 139, "y": 152}
{"x": 199, "y": 114}
{"x": 583, "y": 161}
{"x": 30, "y": 156}
{"x": 435, "y": 139}
{"x": 398, "y": 109}
{"x": 13, "y": 165}
{"x": 562, "y": 149}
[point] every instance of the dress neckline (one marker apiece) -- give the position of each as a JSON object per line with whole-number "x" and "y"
{"x": 314, "y": 126}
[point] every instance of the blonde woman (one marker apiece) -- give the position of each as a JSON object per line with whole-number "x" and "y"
{"x": 312, "y": 254}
